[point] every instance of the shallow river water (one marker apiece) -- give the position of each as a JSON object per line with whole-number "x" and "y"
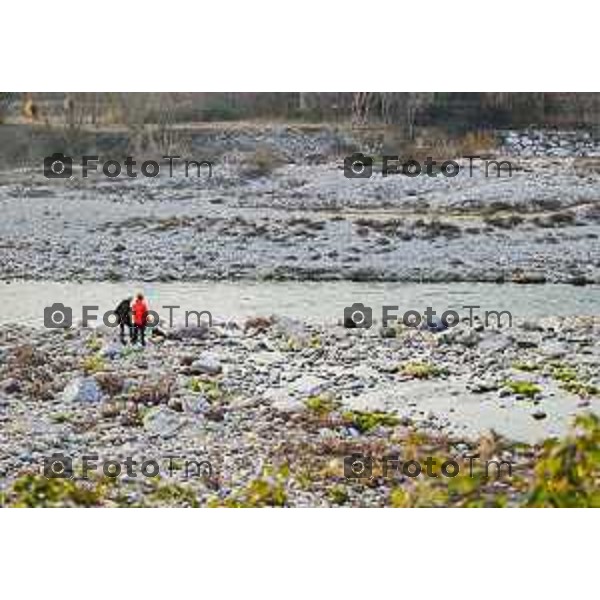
{"x": 24, "y": 302}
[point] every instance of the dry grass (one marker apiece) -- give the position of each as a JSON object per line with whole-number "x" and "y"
{"x": 111, "y": 383}
{"x": 261, "y": 163}
{"x": 27, "y": 356}
{"x": 442, "y": 147}
{"x": 153, "y": 392}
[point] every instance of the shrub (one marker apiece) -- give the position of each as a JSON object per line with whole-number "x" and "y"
{"x": 93, "y": 364}
{"x": 507, "y": 222}
{"x": 524, "y": 388}
{"x": 153, "y": 392}
{"x": 420, "y": 370}
{"x": 261, "y": 163}
{"x": 258, "y": 323}
{"x": 267, "y": 490}
{"x": 568, "y": 471}
{"x": 170, "y": 494}
{"x": 210, "y": 389}
{"x": 581, "y": 389}
{"x": 525, "y": 367}
{"x": 111, "y": 383}
{"x": 26, "y": 357}
{"x": 33, "y": 490}
{"x": 93, "y": 343}
{"x": 218, "y": 110}
{"x": 338, "y": 494}
{"x": 564, "y": 374}
{"x": 321, "y": 405}
{"x": 365, "y": 421}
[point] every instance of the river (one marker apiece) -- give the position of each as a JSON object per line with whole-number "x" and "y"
{"x": 24, "y": 302}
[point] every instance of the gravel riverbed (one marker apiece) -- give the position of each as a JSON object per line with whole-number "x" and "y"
{"x": 306, "y": 222}
{"x": 277, "y": 391}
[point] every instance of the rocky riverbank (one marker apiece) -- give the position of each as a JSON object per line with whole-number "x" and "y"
{"x": 551, "y": 143}
{"x": 275, "y": 405}
{"x": 307, "y": 222}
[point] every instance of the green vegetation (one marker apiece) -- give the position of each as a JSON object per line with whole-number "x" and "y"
{"x": 61, "y": 417}
{"x": 568, "y": 472}
{"x": 560, "y": 473}
{"x": 34, "y": 490}
{"x": 526, "y": 367}
{"x": 581, "y": 389}
{"x": 170, "y": 494}
{"x": 218, "y": 110}
{"x": 366, "y": 421}
{"x": 462, "y": 491}
{"x": 210, "y": 389}
{"x": 267, "y": 490}
{"x": 420, "y": 370}
{"x": 564, "y": 374}
{"x": 93, "y": 364}
{"x": 322, "y": 405}
{"x": 523, "y": 388}
{"x": 570, "y": 381}
{"x": 338, "y": 494}
{"x": 315, "y": 341}
{"x": 94, "y": 343}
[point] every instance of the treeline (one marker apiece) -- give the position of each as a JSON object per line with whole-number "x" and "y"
{"x": 452, "y": 110}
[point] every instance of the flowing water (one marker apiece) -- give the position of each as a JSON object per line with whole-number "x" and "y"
{"x": 24, "y": 302}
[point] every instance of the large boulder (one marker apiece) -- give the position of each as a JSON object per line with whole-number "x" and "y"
{"x": 111, "y": 351}
{"x": 196, "y": 332}
{"x": 82, "y": 389}
{"x": 206, "y": 364}
{"x": 197, "y": 404}
{"x": 162, "y": 421}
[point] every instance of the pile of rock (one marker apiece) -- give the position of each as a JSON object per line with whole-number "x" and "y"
{"x": 561, "y": 144}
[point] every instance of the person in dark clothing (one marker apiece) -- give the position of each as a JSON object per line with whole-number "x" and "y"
{"x": 123, "y": 311}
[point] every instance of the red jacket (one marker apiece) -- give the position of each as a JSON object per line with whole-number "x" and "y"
{"x": 139, "y": 312}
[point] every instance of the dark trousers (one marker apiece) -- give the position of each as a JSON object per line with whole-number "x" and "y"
{"x": 122, "y": 326}
{"x": 139, "y": 331}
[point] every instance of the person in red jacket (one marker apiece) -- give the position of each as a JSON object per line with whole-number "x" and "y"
{"x": 139, "y": 316}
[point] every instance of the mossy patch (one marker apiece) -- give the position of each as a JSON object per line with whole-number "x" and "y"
{"x": 420, "y": 370}
{"x": 523, "y": 388}
{"x": 33, "y": 490}
{"x": 93, "y": 364}
{"x": 267, "y": 490}
{"x": 211, "y": 389}
{"x": 322, "y": 405}
{"x": 366, "y": 421}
